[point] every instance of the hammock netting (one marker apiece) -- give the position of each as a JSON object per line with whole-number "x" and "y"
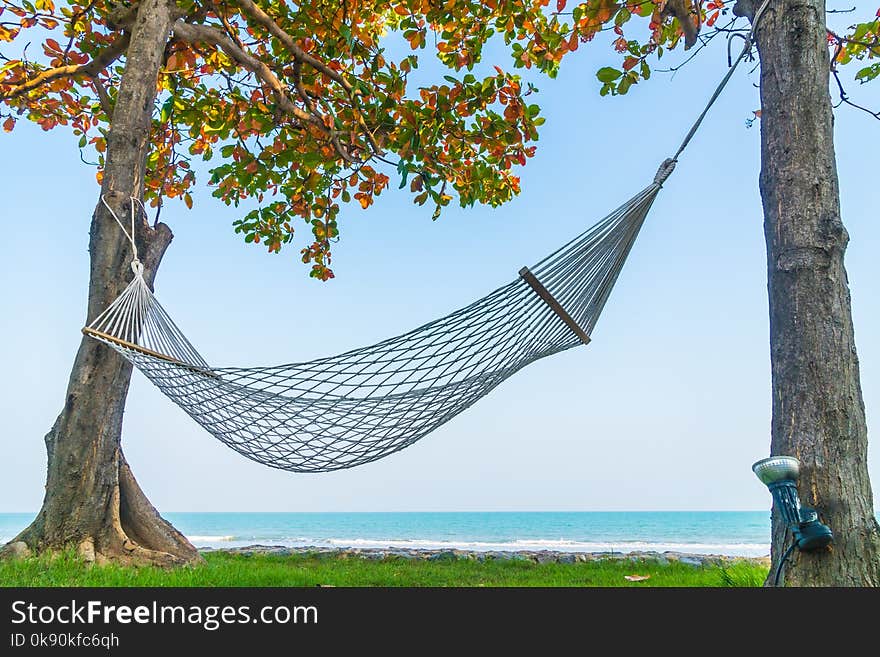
{"x": 347, "y": 410}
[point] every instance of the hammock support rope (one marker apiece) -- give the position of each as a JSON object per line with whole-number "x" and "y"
{"x": 362, "y": 405}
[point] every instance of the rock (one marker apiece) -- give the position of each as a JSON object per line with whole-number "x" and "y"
{"x": 409, "y": 554}
{"x": 86, "y": 550}
{"x": 250, "y": 550}
{"x": 402, "y": 554}
{"x": 691, "y": 561}
{"x": 604, "y": 555}
{"x": 17, "y": 550}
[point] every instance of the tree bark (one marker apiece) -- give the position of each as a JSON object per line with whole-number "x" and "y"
{"x": 818, "y": 411}
{"x": 93, "y": 502}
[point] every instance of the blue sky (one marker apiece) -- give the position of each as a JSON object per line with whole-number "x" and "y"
{"x": 666, "y": 409}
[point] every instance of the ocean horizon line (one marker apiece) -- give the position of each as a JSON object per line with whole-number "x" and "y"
{"x": 457, "y": 511}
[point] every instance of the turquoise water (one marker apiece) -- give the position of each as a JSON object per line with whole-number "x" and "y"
{"x": 743, "y": 533}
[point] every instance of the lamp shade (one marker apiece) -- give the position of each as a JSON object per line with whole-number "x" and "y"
{"x": 777, "y": 468}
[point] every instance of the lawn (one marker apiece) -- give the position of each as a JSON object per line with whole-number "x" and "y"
{"x": 223, "y": 569}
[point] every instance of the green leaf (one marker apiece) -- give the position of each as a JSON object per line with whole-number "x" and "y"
{"x": 868, "y": 73}
{"x": 345, "y": 32}
{"x": 608, "y": 74}
{"x": 167, "y": 108}
{"x": 624, "y": 85}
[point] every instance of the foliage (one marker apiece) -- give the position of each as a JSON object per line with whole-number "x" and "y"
{"x": 304, "y": 106}
{"x": 742, "y": 575}
{"x": 861, "y": 43}
{"x": 224, "y": 569}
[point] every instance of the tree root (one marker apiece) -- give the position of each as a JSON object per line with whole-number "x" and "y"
{"x": 130, "y": 532}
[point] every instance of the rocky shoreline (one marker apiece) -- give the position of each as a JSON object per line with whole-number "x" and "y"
{"x": 534, "y": 556}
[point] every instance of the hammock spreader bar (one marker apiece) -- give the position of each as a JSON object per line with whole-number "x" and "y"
{"x": 526, "y": 274}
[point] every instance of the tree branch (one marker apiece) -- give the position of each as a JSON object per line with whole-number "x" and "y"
{"x": 206, "y": 34}
{"x": 870, "y": 45}
{"x": 121, "y": 16}
{"x": 301, "y": 55}
{"x": 107, "y": 56}
{"x": 844, "y": 98}
{"x": 103, "y": 97}
{"x": 224, "y": 20}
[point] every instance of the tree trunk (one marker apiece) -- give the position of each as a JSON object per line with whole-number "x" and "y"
{"x": 818, "y": 411}
{"x": 93, "y": 502}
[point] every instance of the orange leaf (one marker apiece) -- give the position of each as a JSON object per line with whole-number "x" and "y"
{"x": 8, "y": 124}
{"x": 187, "y": 199}
{"x": 629, "y": 62}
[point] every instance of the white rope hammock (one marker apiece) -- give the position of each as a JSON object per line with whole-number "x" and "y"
{"x": 359, "y": 406}
{"x": 346, "y": 410}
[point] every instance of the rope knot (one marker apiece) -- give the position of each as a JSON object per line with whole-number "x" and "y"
{"x": 665, "y": 170}
{"x": 137, "y": 267}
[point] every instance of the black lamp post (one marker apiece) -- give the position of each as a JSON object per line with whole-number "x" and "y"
{"x": 780, "y": 475}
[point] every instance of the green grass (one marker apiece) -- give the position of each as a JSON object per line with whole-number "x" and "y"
{"x": 223, "y": 569}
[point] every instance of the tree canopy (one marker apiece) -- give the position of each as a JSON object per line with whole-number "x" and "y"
{"x": 301, "y": 105}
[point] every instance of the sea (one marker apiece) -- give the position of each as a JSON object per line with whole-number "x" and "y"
{"x": 738, "y": 533}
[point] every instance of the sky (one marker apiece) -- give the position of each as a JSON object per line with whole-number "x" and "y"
{"x": 666, "y": 409}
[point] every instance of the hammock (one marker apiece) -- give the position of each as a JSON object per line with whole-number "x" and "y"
{"x": 360, "y": 406}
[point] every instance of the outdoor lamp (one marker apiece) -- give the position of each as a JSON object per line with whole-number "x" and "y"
{"x": 780, "y": 475}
